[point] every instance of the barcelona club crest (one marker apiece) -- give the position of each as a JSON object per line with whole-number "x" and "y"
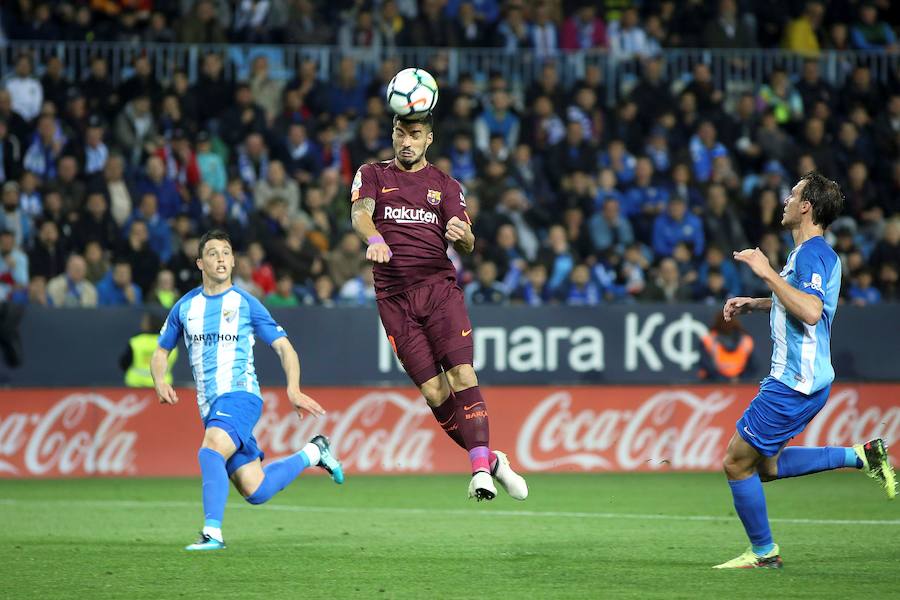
{"x": 434, "y": 197}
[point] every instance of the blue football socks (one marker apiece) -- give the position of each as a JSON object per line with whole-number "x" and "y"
{"x": 215, "y": 486}
{"x": 750, "y": 504}
{"x": 797, "y": 461}
{"x": 278, "y": 475}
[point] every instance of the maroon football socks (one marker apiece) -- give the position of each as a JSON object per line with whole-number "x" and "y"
{"x": 463, "y": 416}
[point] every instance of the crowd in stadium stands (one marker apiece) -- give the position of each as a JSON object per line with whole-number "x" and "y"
{"x": 106, "y": 188}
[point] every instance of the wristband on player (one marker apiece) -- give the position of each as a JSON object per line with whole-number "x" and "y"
{"x": 377, "y": 239}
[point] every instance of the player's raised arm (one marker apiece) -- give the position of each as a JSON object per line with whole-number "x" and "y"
{"x": 361, "y": 213}
{"x": 805, "y": 305}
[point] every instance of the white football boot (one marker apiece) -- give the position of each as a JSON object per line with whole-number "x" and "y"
{"x": 509, "y": 480}
{"x": 482, "y": 486}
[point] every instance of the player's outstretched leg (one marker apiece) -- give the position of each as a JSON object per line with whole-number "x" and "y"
{"x": 798, "y": 461}
{"x": 876, "y": 463}
{"x": 282, "y": 472}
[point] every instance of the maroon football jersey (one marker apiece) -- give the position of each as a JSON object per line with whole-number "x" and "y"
{"x": 411, "y": 213}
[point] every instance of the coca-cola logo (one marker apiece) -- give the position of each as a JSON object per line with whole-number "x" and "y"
{"x": 382, "y": 430}
{"x": 842, "y": 422}
{"x": 672, "y": 427}
{"x": 82, "y": 431}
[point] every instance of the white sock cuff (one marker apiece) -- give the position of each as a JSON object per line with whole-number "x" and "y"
{"x": 312, "y": 453}
{"x": 213, "y": 532}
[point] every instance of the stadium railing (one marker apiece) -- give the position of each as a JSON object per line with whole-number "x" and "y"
{"x": 732, "y": 69}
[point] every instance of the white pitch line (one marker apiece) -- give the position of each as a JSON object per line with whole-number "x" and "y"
{"x": 436, "y": 512}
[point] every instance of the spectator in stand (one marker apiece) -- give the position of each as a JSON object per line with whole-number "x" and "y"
{"x": 359, "y": 290}
{"x": 346, "y": 260}
{"x": 297, "y": 254}
{"x": 812, "y": 88}
{"x": 584, "y": 29}
{"x": 13, "y": 266}
{"x": 802, "y": 34}
{"x": 213, "y": 92}
{"x": 252, "y": 160}
{"x": 277, "y": 183}
{"x": 72, "y": 289}
{"x": 581, "y": 290}
{"x": 283, "y": 295}
{"x": 135, "y": 128}
{"x": 95, "y": 224}
{"x": 861, "y": 291}
{"x": 704, "y": 150}
{"x": 486, "y": 289}
{"x": 136, "y": 250}
{"x": 12, "y": 217}
{"x": 871, "y": 34}
{"x": 677, "y": 225}
{"x": 45, "y": 150}
{"x": 96, "y": 261}
{"x": 644, "y": 200}
{"x": 715, "y": 259}
{"x": 210, "y": 164}
{"x": 498, "y": 119}
{"x": 156, "y": 182}
{"x": 117, "y": 289}
{"x": 620, "y": 161}
{"x": 721, "y": 224}
{"x": 728, "y": 30}
{"x": 544, "y": 36}
{"x": 610, "y": 231}
{"x": 164, "y": 292}
{"x": 47, "y": 257}
{"x": 24, "y": 88}
{"x": 627, "y": 39}
{"x": 533, "y": 290}
{"x": 651, "y": 94}
{"x": 666, "y": 286}
{"x": 779, "y": 96}
{"x": 267, "y": 92}
{"x": 158, "y": 229}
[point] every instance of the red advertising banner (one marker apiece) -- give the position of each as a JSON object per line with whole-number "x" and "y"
{"x": 123, "y": 432}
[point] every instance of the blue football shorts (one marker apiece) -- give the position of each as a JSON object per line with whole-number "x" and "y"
{"x": 777, "y": 414}
{"x": 237, "y": 413}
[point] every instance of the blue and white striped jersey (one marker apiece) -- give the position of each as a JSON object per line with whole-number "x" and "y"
{"x": 219, "y": 332}
{"x": 801, "y": 353}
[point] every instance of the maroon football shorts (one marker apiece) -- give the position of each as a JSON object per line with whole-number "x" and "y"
{"x": 429, "y": 328}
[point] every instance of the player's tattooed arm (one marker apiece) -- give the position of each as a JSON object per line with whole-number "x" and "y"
{"x": 460, "y": 234}
{"x": 361, "y": 218}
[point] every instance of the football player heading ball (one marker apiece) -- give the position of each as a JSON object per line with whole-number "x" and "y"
{"x": 408, "y": 211}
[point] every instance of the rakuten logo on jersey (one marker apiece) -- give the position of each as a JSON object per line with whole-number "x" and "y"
{"x": 409, "y": 215}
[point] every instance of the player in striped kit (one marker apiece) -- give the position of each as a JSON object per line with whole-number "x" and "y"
{"x": 220, "y": 323}
{"x": 802, "y": 308}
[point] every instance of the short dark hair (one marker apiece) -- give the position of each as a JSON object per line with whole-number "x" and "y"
{"x": 825, "y": 196}
{"x": 427, "y": 121}
{"x": 213, "y": 234}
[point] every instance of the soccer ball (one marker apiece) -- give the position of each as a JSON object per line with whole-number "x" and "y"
{"x": 412, "y": 93}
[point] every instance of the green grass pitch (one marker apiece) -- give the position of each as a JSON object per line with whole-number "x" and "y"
{"x": 577, "y": 536}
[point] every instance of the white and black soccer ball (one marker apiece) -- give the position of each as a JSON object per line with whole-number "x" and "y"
{"x": 412, "y": 93}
